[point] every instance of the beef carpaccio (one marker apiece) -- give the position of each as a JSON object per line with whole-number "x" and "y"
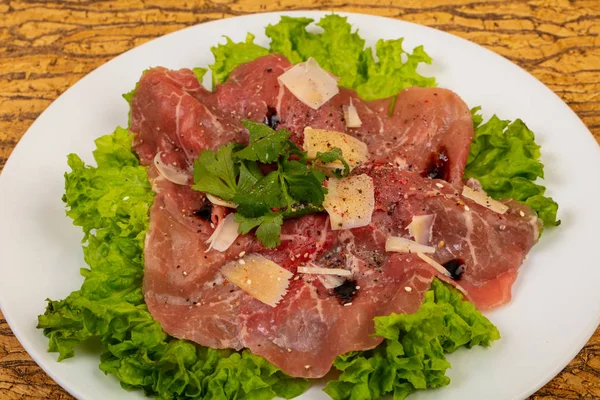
{"x": 417, "y": 157}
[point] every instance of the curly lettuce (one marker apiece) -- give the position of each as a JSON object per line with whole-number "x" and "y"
{"x": 338, "y": 50}
{"x": 504, "y": 158}
{"x": 230, "y": 55}
{"x": 412, "y": 356}
{"x": 110, "y": 203}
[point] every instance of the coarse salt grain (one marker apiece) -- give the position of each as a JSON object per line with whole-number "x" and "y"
{"x": 408, "y": 289}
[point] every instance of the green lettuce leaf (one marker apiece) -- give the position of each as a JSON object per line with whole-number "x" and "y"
{"x": 338, "y": 50}
{"x": 229, "y": 55}
{"x": 111, "y": 203}
{"x": 505, "y": 159}
{"x": 412, "y": 356}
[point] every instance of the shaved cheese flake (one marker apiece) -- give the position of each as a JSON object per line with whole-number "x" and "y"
{"x": 351, "y": 116}
{"x": 439, "y": 267}
{"x": 481, "y": 198}
{"x": 310, "y": 83}
{"x": 220, "y": 202}
{"x": 350, "y": 202}
{"x": 225, "y": 234}
{"x": 403, "y": 245}
{"x": 331, "y": 281}
{"x": 260, "y": 277}
{"x": 420, "y": 228}
{"x": 324, "y": 271}
{"x": 169, "y": 172}
{"x": 355, "y": 152}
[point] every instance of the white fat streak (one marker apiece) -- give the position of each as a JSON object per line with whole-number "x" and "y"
{"x": 468, "y": 217}
{"x": 178, "y": 116}
{"x": 279, "y": 99}
{"x": 215, "y": 122}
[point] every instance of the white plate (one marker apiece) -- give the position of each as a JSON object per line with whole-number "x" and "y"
{"x": 556, "y": 304}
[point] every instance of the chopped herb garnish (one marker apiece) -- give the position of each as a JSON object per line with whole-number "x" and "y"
{"x": 295, "y": 188}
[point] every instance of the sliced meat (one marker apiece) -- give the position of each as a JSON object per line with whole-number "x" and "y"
{"x": 481, "y": 248}
{"x": 427, "y": 130}
{"x": 183, "y": 286}
{"x": 187, "y": 294}
{"x": 167, "y": 117}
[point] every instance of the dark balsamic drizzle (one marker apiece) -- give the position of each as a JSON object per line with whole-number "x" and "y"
{"x": 271, "y": 118}
{"x": 438, "y": 167}
{"x": 204, "y": 212}
{"x": 456, "y": 268}
{"x": 345, "y": 292}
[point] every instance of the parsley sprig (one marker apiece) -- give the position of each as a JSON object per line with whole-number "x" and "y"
{"x": 293, "y": 188}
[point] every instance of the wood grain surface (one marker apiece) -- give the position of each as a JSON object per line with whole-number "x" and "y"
{"x": 47, "y": 46}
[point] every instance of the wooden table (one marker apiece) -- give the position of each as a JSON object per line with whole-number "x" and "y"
{"x": 45, "y": 47}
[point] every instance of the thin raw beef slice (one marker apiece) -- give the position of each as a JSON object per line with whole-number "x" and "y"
{"x": 417, "y": 160}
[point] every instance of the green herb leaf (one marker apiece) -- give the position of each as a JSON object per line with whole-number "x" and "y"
{"x": 261, "y": 198}
{"x": 266, "y": 145}
{"x": 249, "y": 174}
{"x": 304, "y": 184}
{"x": 295, "y": 188}
{"x": 216, "y": 173}
{"x": 331, "y": 156}
{"x": 269, "y": 228}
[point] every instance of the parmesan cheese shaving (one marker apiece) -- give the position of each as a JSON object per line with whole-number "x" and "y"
{"x": 354, "y": 151}
{"x": 351, "y": 116}
{"x": 403, "y": 245}
{"x": 350, "y": 201}
{"x": 439, "y": 267}
{"x": 324, "y": 271}
{"x": 224, "y": 235}
{"x": 420, "y": 228}
{"x": 331, "y": 281}
{"x": 310, "y": 83}
{"x": 169, "y": 172}
{"x": 220, "y": 202}
{"x": 481, "y": 198}
{"x": 260, "y": 277}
